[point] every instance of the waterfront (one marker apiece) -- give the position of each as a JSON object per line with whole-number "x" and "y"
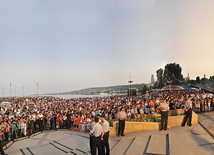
{"x": 81, "y": 96}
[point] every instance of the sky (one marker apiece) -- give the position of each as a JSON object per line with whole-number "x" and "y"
{"x": 69, "y": 45}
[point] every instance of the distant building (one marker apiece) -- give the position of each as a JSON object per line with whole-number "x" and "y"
{"x": 152, "y": 80}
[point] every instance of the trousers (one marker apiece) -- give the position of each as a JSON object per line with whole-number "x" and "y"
{"x": 105, "y": 144}
{"x": 188, "y": 114}
{"x": 96, "y": 145}
{"x": 164, "y": 119}
{"x": 121, "y": 127}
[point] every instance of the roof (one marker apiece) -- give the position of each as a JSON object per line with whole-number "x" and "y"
{"x": 173, "y": 87}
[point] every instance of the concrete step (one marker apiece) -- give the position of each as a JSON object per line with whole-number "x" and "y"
{"x": 50, "y": 148}
{"x": 157, "y": 144}
{"x": 121, "y": 147}
{"x": 83, "y": 149}
{"x": 113, "y": 143}
{"x": 23, "y": 151}
{"x": 138, "y": 145}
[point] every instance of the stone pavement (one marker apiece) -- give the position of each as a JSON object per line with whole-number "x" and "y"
{"x": 207, "y": 120}
{"x": 176, "y": 141}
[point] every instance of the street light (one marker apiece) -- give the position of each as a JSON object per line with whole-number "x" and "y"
{"x": 170, "y": 82}
{"x": 10, "y": 90}
{"x": 2, "y": 91}
{"x": 23, "y": 91}
{"x": 130, "y": 82}
{"x": 15, "y": 92}
{"x": 37, "y": 89}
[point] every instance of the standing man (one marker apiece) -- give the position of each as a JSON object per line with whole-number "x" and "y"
{"x": 164, "y": 107}
{"x": 122, "y": 117}
{"x": 28, "y": 127}
{"x": 1, "y": 145}
{"x": 40, "y": 118}
{"x": 188, "y": 112}
{"x": 69, "y": 120}
{"x": 96, "y": 132}
{"x": 104, "y": 142}
{"x": 91, "y": 137}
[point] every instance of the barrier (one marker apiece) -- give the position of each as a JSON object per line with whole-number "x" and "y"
{"x": 177, "y": 120}
{"x": 145, "y": 126}
{"x": 134, "y": 127}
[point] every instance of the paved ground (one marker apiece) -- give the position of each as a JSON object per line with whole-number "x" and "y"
{"x": 176, "y": 141}
{"x": 207, "y": 120}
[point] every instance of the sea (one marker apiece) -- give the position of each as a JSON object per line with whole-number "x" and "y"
{"x": 81, "y": 96}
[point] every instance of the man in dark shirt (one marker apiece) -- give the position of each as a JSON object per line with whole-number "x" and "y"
{"x": 171, "y": 104}
{"x": 122, "y": 117}
{"x": 69, "y": 120}
{"x": 1, "y": 147}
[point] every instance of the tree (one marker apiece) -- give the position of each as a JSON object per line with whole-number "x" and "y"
{"x": 160, "y": 79}
{"x": 198, "y": 80}
{"x": 170, "y": 70}
{"x": 211, "y": 81}
{"x": 144, "y": 89}
{"x": 192, "y": 82}
{"x": 204, "y": 82}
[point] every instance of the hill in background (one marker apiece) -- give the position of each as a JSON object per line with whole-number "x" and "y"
{"x": 120, "y": 89}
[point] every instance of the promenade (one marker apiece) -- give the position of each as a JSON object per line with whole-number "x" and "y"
{"x": 176, "y": 141}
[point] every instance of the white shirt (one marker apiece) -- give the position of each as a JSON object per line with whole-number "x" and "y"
{"x": 40, "y": 115}
{"x": 164, "y": 105}
{"x": 97, "y": 130}
{"x": 188, "y": 103}
{"x": 105, "y": 126}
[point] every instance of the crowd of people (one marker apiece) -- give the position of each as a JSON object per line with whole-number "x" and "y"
{"x": 27, "y": 115}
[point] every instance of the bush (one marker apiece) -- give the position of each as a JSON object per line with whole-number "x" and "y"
{"x": 137, "y": 120}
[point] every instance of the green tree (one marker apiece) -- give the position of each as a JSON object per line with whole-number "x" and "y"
{"x": 160, "y": 78}
{"x": 170, "y": 70}
{"x": 204, "y": 82}
{"x": 211, "y": 81}
{"x": 192, "y": 82}
{"x": 144, "y": 89}
{"x": 198, "y": 80}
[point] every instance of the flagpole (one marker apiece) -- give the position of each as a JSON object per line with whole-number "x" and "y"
{"x": 10, "y": 90}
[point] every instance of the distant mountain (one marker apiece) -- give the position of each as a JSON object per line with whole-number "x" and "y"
{"x": 119, "y": 89}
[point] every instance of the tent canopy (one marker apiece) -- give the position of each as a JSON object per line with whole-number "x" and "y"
{"x": 189, "y": 88}
{"x": 173, "y": 87}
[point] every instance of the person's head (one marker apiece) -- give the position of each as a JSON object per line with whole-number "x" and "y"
{"x": 102, "y": 118}
{"x": 123, "y": 109}
{"x": 96, "y": 119}
{"x": 93, "y": 118}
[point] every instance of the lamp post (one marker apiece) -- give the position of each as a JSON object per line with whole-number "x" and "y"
{"x": 2, "y": 91}
{"x": 37, "y": 88}
{"x": 130, "y": 82}
{"x": 10, "y": 90}
{"x": 130, "y": 91}
{"x": 170, "y": 86}
{"x": 23, "y": 91}
{"x": 15, "y": 92}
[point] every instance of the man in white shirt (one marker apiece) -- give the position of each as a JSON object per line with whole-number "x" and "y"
{"x": 188, "y": 113}
{"x": 122, "y": 117}
{"x": 104, "y": 142}
{"x": 96, "y": 132}
{"x": 41, "y": 124}
{"x": 164, "y": 107}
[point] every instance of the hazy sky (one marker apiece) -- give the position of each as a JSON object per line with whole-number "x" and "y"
{"x": 74, "y": 44}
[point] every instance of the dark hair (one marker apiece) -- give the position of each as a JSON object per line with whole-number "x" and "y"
{"x": 96, "y": 119}
{"x": 102, "y": 116}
